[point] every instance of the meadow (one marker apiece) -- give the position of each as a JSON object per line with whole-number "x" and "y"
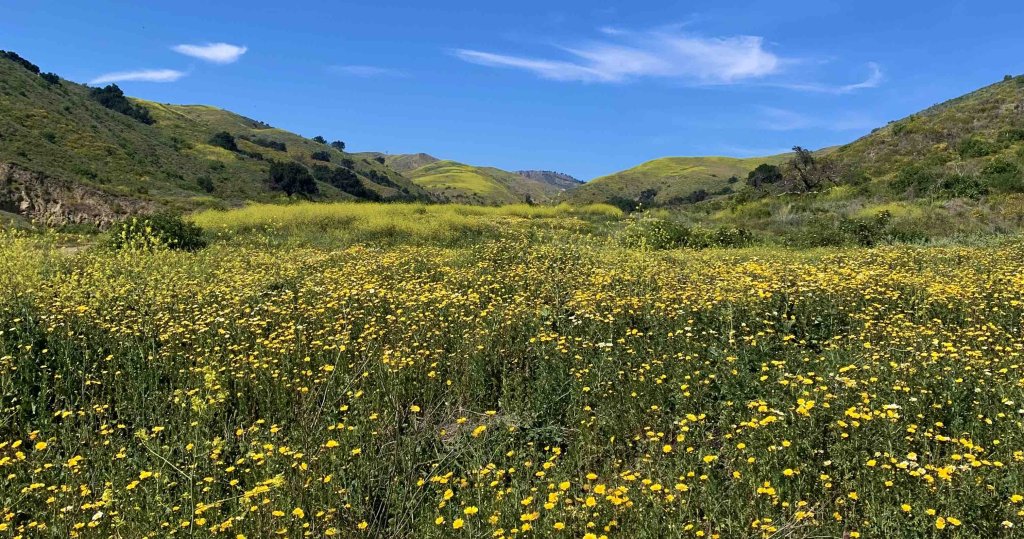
{"x": 446, "y": 371}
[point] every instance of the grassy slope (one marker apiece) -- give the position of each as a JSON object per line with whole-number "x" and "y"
{"x": 60, "y": 132}
{"x": 671, "y": 177}
{"x": 934, "y": 136}
{"x": 459, "y": 182}
{"x": 402, "y": 162}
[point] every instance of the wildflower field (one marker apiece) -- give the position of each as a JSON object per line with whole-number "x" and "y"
{"x": 533, "y": 379}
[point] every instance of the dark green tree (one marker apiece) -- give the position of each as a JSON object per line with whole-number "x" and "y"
{"x": 292, "y": 178}
{"x": 113, "y": 98}
{"x": 764, "y": 174}
{"x": 319, "y": 139}
{"x": 225, "y": 140}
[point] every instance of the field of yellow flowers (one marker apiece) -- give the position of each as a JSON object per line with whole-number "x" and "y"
{"x": 518, "y": 386}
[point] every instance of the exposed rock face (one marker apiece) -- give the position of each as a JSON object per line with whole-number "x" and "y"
{"x": 54, "y": 202}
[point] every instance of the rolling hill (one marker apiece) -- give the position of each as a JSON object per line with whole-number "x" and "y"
{"x": 402, "y": 162}
{"x": 969, "y": 145}
{"x": 66, "y": 158}
{"x": 670, "y": 180}
{"x": 457, "y": 182}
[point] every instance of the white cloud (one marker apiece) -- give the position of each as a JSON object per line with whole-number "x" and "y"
{"x": 367, "y": 71}
{"x": 670, "y": 53}
{"x": 873, "y": 80}
{"x": 218, "y": 53}
{"x": 141, "y": 75}
{"x": 624, "y": 56}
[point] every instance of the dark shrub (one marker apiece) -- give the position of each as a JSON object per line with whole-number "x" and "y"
{"x": 1013, "y": 134}
{"x": 321, "y": 156}
{"x": 975, "y": 147}
{"x": 344, "y": 179}
{"x": 206, "y": 183}
{"x": 291, "y": 178}
{"x": 113, "y": 98}
{"x": 225, "y": 140}
{"x": 50, "y": 78}
{"x": 14, "y": 57}
{"x": 267, "y": 143}
{"x": 1003, "y": 176}
{"x": 916, "y": 178}
{"x": 160, "y": 230}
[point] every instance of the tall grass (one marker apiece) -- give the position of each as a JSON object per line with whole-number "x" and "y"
{"x": 345, "y": 223}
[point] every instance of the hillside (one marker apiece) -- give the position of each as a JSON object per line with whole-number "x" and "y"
{"x": 967, "y": 146}
{"x": 65, "y": 157}
{"x": 671, "y": 180}
{"x": 458, "y": 182}
{"x": 401, "y": 162}
{"x": 554, "y": 179}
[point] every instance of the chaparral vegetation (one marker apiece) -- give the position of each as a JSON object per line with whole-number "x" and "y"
{"x": 360, "y": 370}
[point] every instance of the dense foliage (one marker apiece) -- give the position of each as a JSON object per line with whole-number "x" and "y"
{"x": 292, "y": 178}
{"x": 113, "y": 98}
{"x": 160, "y": 230}
{"x": 223, "y": 139}
{"x": 344, "y": 179}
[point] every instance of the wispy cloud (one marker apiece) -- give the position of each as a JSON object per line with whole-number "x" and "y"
{"x": 366, "y": 71}
{"x": 778, "y": 119}
{"x": 217, "y": 53}
{"x": 620, "y": 55}
{"x": 624, "y": 56}
{"x": 874, "y": 79}
{"x": 141, "y": 75}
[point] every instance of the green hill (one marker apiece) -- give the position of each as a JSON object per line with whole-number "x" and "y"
{"x": 970, "y": 145}
{"x": 671, "y": 180}
{"x": 65, "y": 157}
{"x": 402, "y": 162}
{"x": 458, "y": 182}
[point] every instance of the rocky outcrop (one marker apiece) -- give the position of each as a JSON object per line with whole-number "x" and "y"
{"x": 53, "y": 202}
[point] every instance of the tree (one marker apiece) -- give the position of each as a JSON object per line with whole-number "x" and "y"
{"x": 321, "y": 156}
{"x": 113, "y": 98}
{"x": 764, "y": 174}
{"x": 291, "y": 178}
{"x": 344, "y": 179}
{"x": 223, "y": 139}
{"x": 338, "y": 145}
{"x": 319, "y": 139}
{"x": 811, "y": 171}
{"x": 14, "y": 57}
{"x": 50, "y": 78}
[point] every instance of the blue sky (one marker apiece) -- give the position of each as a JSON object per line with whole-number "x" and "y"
{"x": 583, "y": 87}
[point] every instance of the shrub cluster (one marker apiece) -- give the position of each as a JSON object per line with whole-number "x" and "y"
{"x": 159, "y": 230}
{"x": 648, "y": 232}
{"x": 113, "y": 98}
{"x": 833, "y": 231}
